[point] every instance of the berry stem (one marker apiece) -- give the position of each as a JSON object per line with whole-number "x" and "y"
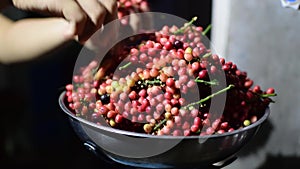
{"x": 213, "y": 82}
{"x": 125, "y": 66}
{"x": 152, "y": 82}
{"x": 209, "y": 97}
{"x": 268, "y": 95}
{"x": 207, "y": 55}
{"x": 182, "y": 29}
{"x": 160, "y": 124}
{"x": 206, "y": 30}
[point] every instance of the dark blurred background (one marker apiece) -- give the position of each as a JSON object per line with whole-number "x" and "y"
{"x": 34, "y": 130}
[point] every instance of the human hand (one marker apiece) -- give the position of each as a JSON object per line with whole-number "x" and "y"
{"x": 134, "y": 18}
{"x": 129, "y": 13}
{"x": 85, "y": 17}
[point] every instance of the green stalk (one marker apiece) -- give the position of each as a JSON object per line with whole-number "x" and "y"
{"x": 182, "y": 29}
{"x": 209, "y": 97}
{"x": 152, "y": 82}
{"x": 213, "y": 82}
{"x": 268, "y": 95}
{"x": 206, "y": 30}
{"x": 125, "y": 66}
{"x": 160, "y": 124}
{"x": 207, "y": 55}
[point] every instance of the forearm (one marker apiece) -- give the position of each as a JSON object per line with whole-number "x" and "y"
{"x": 30, "y": 38}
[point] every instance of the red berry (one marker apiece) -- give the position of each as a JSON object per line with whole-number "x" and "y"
{"x": 203, "y": 74}
{"x": 103, "y": 110}
{"x": 170, "y": 82}
{"x": 168, "y": 45}
{"x": 270, "y": 91}
{"x": 132, "y": 95}
{"x": 194, "y": 128}
{"x": 118, "y": 118}
{"x": 197, "y": 121}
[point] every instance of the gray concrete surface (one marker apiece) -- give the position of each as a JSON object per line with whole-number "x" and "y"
{"x": 263, "y": 38}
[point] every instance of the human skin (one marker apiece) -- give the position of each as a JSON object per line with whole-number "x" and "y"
{"x": 69, "y": 20}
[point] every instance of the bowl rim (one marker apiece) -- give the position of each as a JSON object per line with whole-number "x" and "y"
{"x": 144, "y": 135}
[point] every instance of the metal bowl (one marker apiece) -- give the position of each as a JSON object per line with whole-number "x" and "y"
{"x": 148, "y": 151}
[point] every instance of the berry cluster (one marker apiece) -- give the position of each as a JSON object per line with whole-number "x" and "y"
{"x": 127, "y": 7}
{"x": 164, "y": 86}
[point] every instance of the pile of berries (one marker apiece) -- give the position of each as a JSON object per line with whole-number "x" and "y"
{"x": 127, "y": 7}
{"x": 164, "y": 85}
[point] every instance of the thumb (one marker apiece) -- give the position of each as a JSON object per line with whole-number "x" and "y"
{"x": 70, "y": 31}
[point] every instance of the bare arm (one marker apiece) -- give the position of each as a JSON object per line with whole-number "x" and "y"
{"x": 72, "y": 19}
{"x": 87, "y": 16}
{"x": 30, "y": 38}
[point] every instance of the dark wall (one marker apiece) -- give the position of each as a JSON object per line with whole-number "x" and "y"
{"x": 186, "y": 9}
